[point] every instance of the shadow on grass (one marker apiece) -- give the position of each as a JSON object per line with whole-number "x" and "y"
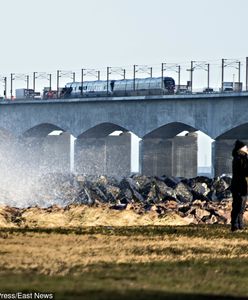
{"x": 199, "y": 230}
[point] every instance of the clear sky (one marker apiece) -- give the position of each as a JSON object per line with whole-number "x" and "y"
{"x": 46, "y": 35}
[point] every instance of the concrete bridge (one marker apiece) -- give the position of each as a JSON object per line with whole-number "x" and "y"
{"x": 155, "y": 119}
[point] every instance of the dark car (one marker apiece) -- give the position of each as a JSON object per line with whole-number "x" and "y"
{"x": 208, "y": 90}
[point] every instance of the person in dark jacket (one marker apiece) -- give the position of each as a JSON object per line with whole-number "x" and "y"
{"x": 239, "y": 184}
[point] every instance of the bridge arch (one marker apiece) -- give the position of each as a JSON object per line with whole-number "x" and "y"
{"x": 101, "y": 130}
{"x": 41, "y": 130}
{"x": 237, "y": 132}
{"x": 43, "y": 153}
{"x": 169, "y": 130}
{"x": 98, "y": 151}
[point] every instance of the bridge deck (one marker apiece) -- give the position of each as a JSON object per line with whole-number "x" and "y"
{"x": 193, "y": 96}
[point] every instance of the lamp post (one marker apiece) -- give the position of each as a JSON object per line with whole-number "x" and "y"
{"x": 108, "y": 68}
{"x": 27, "y": 79}
{"x": 208, "y": 76}
{"x": 134, "y": 75}
{"x": 58, "y": 76}
{"x": 222, "y": 73}
{"x": 191, "y": 75}
{"x": 5, "y": 87}
{"x": 50, "y": 81}
{"x": 239, "y": 71}
{"x": 82, "y": 81}
{"x": 11, "y": 85}
{"x": 34, "y": 78}
{"x": 179, "y": 77}
{"x": 162, "y": 75}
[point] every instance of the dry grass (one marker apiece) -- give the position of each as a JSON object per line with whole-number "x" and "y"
{"x": 60, "y": 254}
{"x": 82, "y": 215}
{"x": 79, "y": 216}
{"x": 144, "y": 262}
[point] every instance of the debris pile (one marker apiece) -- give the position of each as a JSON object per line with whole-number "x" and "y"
{"x": 76, "y": 200}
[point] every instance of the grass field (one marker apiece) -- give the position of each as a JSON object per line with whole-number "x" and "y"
{"x": 151, "y": 262}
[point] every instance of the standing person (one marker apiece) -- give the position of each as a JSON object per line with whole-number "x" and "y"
{"x": 239, "y": 184}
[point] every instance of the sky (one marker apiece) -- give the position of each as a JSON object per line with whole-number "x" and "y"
{"x": 50, "y": 35}
{"x": 46, "y": 35}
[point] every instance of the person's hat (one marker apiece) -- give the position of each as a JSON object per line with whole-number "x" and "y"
{"x": 238, "y": 145}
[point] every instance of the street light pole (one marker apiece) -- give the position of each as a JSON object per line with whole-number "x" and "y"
{"x": 82, "y": 81}
{"x": 208, "y": 71}
{"x": 11, "y": 85}
{"x": 50, "y": 82}
{"x": 5, "y": 87}
{"x": 191, "y": 75}
{"x": 34, "y": 77}
{"x": 239, "y": 70}
{"x": 27, "y": 78}
{"x": 134, "y": 74}
{"x": 58, "y": 75}
{"x": 179, "y": 77}
{"x": 162, "y": 75}
{"x": 108, "y": 68}
{"x": 222, "y": 73}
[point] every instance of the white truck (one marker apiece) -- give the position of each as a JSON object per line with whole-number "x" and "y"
{"x": 26, "y": 94}
{"x": 232, "y": 86}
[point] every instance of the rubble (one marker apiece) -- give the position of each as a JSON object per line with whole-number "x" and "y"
{"x": 199, "y": 200}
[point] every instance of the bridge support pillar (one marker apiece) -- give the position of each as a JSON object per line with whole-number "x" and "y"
{"x": 222, "y": 156}
{"x": 41, "y": 155}
{"x": 9, "y": 160}
{"x": 29, "y": 155}
{"x": 171, "y": 157}
{"x": 110, "y": 155}
{"x": 56, "y": 153}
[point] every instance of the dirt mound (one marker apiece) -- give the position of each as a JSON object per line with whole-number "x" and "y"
{"x": 77, "y": 216}
{"x": 9, "y": 217}
{"x": 105, "y": 215}
{"x": 67, "y": 200}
